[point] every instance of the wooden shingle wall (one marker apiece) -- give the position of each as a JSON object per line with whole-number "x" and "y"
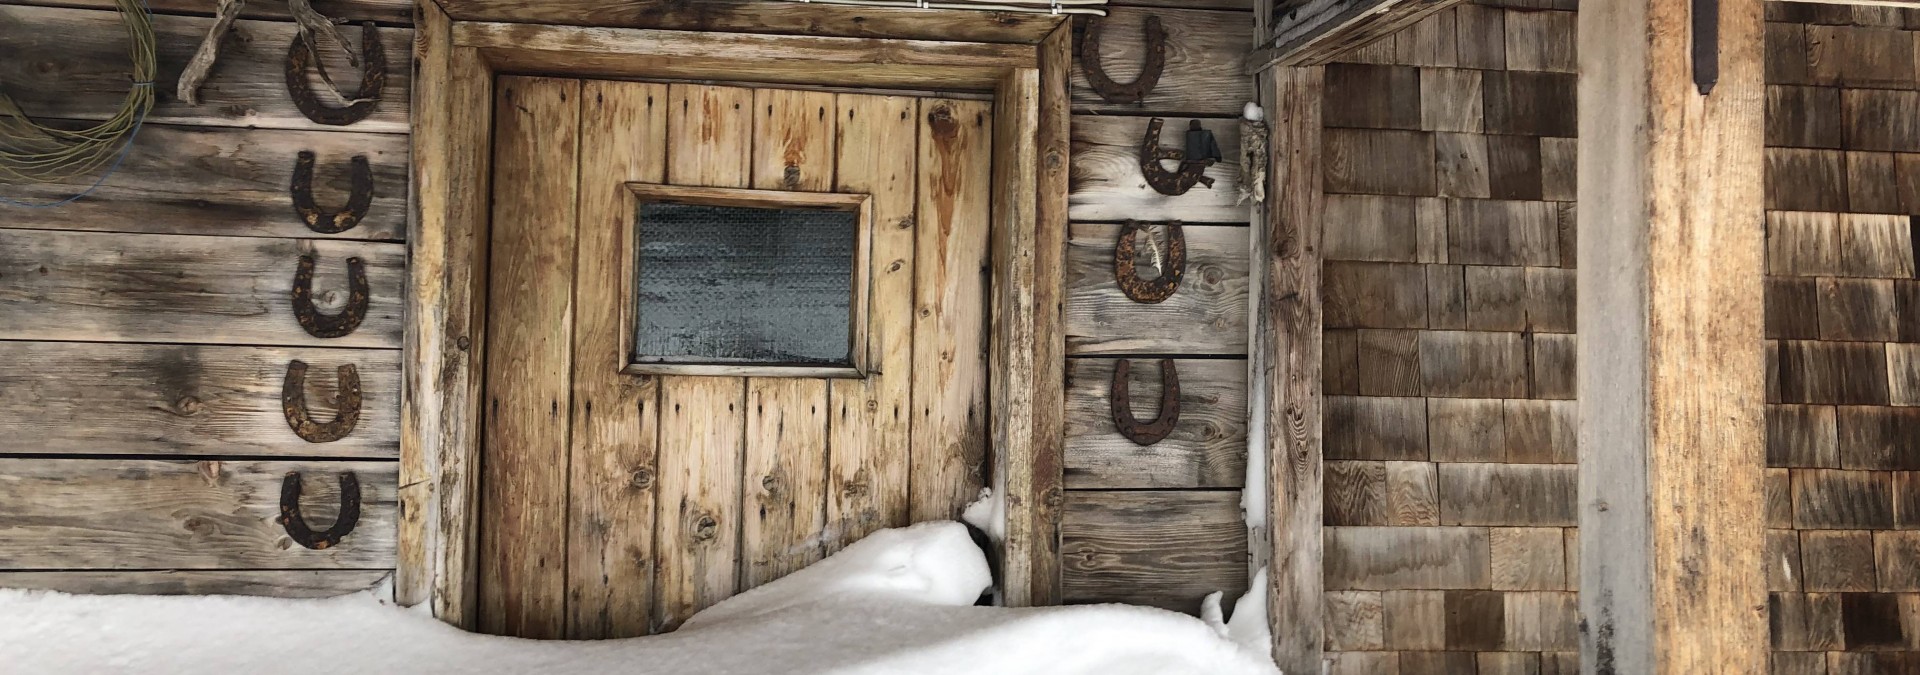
{"x": 147, "y": 329}
{"x": 1843, "y": 330}
{"x": 1161, "y": 524}
{"x": 1449, "y": 429}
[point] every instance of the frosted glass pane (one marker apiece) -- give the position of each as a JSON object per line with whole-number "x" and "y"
{"x": 739, "y": 285}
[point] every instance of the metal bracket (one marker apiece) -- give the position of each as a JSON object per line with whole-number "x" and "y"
{"x": 1173, "y": 265}
{"x": 337, "y": 221}
{"x": 1150, "y": 69}
{"x": 337, "y": 325}
{"x": 1201, "y": 153}
{"x": 373, "y": 79}
{"x": 1120, "y": 400}
{"x": 346, "y": 404}
{"x": 296, "y": 525}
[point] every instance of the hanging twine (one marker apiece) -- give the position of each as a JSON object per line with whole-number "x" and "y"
{"x": 36, "y": 153}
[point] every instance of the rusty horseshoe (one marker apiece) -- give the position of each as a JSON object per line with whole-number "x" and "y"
{"x": 1201, "y": 152}
{"x": 337, "y": 221}
{"x": 373, "y": 79}
{"x": 1150, "y": 69}
{"x": 296, "y": 525}
{"x": 1172, "y": 266}
{"x": 337, "y": 325}
{"x": 1119, "y": 398}
{"x": 346, "y": 404}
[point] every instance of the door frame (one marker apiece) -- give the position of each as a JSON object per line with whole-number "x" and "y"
{"x": 461, "y": 45}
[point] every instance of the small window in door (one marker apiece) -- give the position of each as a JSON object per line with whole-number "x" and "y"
{"x": 749, "y": 282}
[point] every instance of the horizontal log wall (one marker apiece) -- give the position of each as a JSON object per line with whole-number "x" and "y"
{"x": 147, "y": 330}
{"x": 1843, "y": 329}
{"x": 1448, "y": 347}
{"x": 1158, "y": 524}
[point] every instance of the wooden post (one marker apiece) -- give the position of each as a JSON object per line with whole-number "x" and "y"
{"x": 1670, "y": 352}
{"x": 1285, "y": 361}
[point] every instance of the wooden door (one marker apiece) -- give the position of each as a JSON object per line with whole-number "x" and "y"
{"x": 615, "y": 504}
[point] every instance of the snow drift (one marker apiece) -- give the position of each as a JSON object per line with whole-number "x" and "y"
{"x": 899, "y": 601}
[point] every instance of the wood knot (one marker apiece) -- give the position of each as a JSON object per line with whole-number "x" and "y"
{"x": 772, "y": 484}
{"x": 1054, "y": 497}
{"x": 187, "y": 406}
{"x": 705, "y": 528}
{"x": 463, "y": 343}
{"x": 641, "y": 479}
{"x": 854, "y": 490}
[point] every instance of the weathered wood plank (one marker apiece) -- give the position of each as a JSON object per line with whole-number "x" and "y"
{"x": 1466, "y": 430}
{"x": 1463, "y": 364}
{"x": 1528, "y": 559}
{"x": 1846, "y": 373}
{"x": 149, "y": 514}
{"x": 383, "y": 11}
{"x": 1407, "y": 558}
{"x": 1389, "y": 363}
{"x": 1156, "y": 548}
{"x": 1414, "y": 620}
{"x": 1380, "y": 162}
{"x": 1207, "y": 315}
{"x": 273, "y": 583}
{"x": 1106, "y": 181}
{"x": 1825, "y": 499}
{"x": 1375, "y": 295}
{"x": 529, "y": 391}
{"x": 1316, "y": 31}
{"x": 1837, "y": 561}
{"x": 108, "y": 399}
{"x": 951, "y": 300}
{"x": 753, "y": 16}
{"x": 613, "y": 470}
{"x": 227, "y": 181}
{"x": 1205, "y": 61}
{"x": 1207, "y": 449}
{"x": 1375, "y": 427}
{"x": 1503, "y": 232}
{"x": 1527, "y": 495}
{"x": 71, "y": 63}
{"x": 867, "y": 474}
{"x": 1381, "y": 228}
{"x": 1354, "y": 621}
{"x": 1543, "y": 621}
{"x": 1802, "y": 436}
{"x": 161, "y": 288}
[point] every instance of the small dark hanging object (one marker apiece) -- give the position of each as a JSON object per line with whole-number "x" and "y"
{"x": 1150, "y": 69}
{"x": 1120, "y": 399}
{"x": 373, "y": 79}
{"x": 1173, "y": 265}
{"x": 333, "y": 222}
{"x": 1706, "y": 45}
{"x": 1202, "y": 151}
{"x": 296, "y": 524}
{"x": 336, "y": 325}
{"x": 346, "y": 403}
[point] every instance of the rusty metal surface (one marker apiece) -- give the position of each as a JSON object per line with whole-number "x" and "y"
{"x": 1119, "y": 399}
{"x": 296, "y": 525}
{"x": 373, "y": 79}
{"x": 346, "y": 404}
{"x": 1154, "y": 64}
{"x": 1201, "y": 152}
{"x": 319, "y": 325}
{"x": 1173, "y": 265}
{"x": 333, "y": 222}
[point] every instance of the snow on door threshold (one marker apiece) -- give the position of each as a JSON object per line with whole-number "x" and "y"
{"x": 899, "y": 601}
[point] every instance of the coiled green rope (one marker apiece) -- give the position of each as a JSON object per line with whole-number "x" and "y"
{"x": 33, "y": 152}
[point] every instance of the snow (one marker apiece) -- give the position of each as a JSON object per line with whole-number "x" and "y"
{"x": 899, "y": 601}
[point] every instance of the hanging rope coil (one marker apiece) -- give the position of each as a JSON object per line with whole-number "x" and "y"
{"x": 34, "y": 152}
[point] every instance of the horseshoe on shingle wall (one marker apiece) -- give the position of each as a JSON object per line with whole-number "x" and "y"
{"x": 1119, "y": 398}
{"x": 296, "y": 524}
{"x": 1150, "y": 69}
{"x": 336, "y": 325}
{"x": 1172, "y": 267}
{"x": 333, "y": 222}
{"x": 346, "y": 404}
{"x": 373, "y": 79}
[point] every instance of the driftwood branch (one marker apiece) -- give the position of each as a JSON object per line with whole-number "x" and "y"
{"x": 311, "y": 25}
{"x": 202, "y": 64}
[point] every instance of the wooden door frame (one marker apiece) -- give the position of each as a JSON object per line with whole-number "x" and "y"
{"x": 456, "y": 62}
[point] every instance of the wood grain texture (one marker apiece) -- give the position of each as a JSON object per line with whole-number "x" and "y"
{"x": 272, "y": 583}
{"x": 1354, "y": 621}
{"x": 383, "y": 11}
{"x": 1158, "y": 548}
{"x": 613, "y": 472}
{"x": 1412, "y": 498}
{"x": 1106, "y": 181}
{"x": 867, "y": 474}
{"x": 128, "y": 399}
{"x": 529, "y": 395}
{"x": 71, "y": 63}
{"x": 751, "y": 16}
{"x": 227, "y": 182}
{"x": 1207, "y": 315}
{"x": 1507, "y": 494}
{"x": 1206, "y": 450}
{"x": 150, "y": 514}
{"x": 1528, "y": 558}
{"x": 1407, "y": 558}
{"x": 162, "y": 288}
{"x": 1316, "y": 31}
{"x": 1205, "y": 62}
{"x": 951, "y": 304}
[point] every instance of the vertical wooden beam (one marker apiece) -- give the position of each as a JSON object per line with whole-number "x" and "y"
{"x": 1670, "y": 352}
{"x": 1286, "y": 360}
{"x": 423, "y": 344}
